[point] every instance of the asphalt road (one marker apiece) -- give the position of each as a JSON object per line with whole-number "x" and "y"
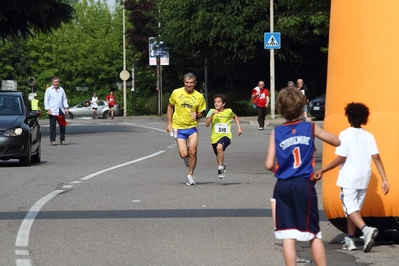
{"x": 116, "y": 195}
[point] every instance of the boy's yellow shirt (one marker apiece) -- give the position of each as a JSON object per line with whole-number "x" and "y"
{"x": 221, "y": 124}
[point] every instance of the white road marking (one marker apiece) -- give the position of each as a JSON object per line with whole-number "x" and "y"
{"x": 26, "y": 225}
{"x": 121, "y": 165}
{"x": 154, "y": 128}
{"x": 23, "y": 262}
{"x": 21, "y": 252}
{"x": 24, "y": 229}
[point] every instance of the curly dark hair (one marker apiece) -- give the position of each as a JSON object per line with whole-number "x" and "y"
{"x": 290, "y": 102}
{"x": 357, "y": 113}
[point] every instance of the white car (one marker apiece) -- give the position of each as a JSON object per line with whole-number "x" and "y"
{"x": 84, "y": 109}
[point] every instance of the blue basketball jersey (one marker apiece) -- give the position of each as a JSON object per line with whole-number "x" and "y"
{"x": 294, "y": 149}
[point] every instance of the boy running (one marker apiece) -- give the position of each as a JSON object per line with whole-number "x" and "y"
{"x": 220, "y": 118}
{"x": 296, "y": 210}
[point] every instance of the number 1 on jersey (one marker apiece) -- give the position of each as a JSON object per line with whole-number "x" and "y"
{"x": 296, "y": 152}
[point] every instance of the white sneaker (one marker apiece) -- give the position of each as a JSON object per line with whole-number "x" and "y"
{"x": 369, "y": 237}
{"x": 349, "y": 244}
{"x": 190, "y": 181}
{"x": 222, "y": 172}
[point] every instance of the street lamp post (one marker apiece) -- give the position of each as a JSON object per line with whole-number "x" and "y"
{"x": 272, "y": 78}
{"x": 206, "y": 82}
{"x": 124, "y": 61}
{"x": 133, "y": 91}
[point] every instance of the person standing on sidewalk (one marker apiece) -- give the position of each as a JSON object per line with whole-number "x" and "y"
{"x": 221, "y": 134}
{"x": 186, "y": 107}
{"x": 56, "y": 104}
{"x": 303, "y": 88}
{"x": 111, "y": 102}
{"x": 35, "y": 104}
{"x": 94, "y": 105}
{"x": 290, "y": 157}
{"x": 357, "y": 148}
{"x": 260, "y": 98}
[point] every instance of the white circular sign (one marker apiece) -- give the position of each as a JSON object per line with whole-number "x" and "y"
{"x": 124, "y": 75}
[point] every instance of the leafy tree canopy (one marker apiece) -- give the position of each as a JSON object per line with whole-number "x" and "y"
{"x": 229, "y": 34}
{"x": 24, "y": 17}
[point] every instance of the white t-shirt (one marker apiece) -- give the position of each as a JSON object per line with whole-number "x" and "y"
{"x": 94, "y": 102}
{"x": 357, "y": 145}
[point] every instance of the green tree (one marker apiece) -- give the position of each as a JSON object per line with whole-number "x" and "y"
{"x": 23, "y": 18}
{"x": 15, "y": 63}
{"x": 84, "y": 53}
{"x": 229, "y": 35}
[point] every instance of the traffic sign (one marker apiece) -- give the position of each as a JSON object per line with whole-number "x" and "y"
{"x": 156, "y": 48}
{"x": 9, "y": 85}
{"x": 272, "y": 40}
{"x": 124, "y": 75}
{"x": 82, "y": 89}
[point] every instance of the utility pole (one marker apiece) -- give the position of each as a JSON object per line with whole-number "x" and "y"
{"x": 272, "y": 77}
{"x": 124, "y": 61}
{"x": 159, "y": 92}
{"x": 133, "y": 92}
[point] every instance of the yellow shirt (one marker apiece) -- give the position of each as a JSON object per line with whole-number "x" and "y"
{"x": 184, "y": 103}
{"x": 35, "y": 105}
{"x": 221, "y": 124}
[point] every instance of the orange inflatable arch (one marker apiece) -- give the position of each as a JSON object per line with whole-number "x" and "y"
{"x": 363, "y": 66}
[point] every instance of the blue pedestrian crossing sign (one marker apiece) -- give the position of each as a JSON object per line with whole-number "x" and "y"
{"x": 272, "y": 40}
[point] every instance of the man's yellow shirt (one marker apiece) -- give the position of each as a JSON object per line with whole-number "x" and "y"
{"x": 184, "y": 103}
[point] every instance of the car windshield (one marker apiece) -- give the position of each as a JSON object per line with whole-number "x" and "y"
{"x": 10, "y": 105}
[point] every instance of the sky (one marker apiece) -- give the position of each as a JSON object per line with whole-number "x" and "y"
{"x": 111, "y": 2}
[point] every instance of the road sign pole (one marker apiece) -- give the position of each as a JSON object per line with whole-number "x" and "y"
{"x": 133, "y": 92}
{"x": 159, "y": 83}
{"x": 272, "y": 78}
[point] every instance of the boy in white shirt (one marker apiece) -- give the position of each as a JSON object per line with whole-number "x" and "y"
{"x": 357, "y": 148}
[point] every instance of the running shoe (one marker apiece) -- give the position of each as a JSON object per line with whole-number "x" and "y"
{"x": 222, "y": 172}
{"x": 190, "y": 181}
{"x": 369, "y": 237}
{"x": 349, "y": 244}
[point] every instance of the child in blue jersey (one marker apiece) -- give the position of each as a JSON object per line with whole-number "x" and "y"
{"x": 221, "y": 134}
{"x": 296, "y": 210}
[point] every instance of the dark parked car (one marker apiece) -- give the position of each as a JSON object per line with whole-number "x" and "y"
{"x": 317, "y": 107}
{"x": 84, "y": 109}
{"x": 20, "y": 133}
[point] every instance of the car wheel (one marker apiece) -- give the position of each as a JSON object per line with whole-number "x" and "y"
{"x": 26, "y": 161}
{"x": 38, "y": 156}
{"x": 69, "y": 115}
{"x": 105, "y": 114}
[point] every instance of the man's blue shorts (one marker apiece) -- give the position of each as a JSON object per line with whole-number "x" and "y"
{"x": 184, "y": 133}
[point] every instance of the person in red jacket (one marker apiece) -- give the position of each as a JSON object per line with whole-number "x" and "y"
{"x": 111, "y": 101}
{"x": 260, "y": 99}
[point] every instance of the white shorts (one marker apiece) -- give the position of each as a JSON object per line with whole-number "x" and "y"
{"x": 352, "y": 199}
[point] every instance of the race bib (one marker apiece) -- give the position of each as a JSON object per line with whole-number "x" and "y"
{"x": 222, "y": 128}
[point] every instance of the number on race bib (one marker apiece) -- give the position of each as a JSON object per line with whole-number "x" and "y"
{"x": 221, "y": 128}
